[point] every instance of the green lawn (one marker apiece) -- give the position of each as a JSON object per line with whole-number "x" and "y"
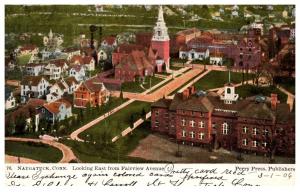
{"x": 89, "y": 114}
{"x": 115, "y": 123}
{"x": 286, "y": 82}
{"x": 31, "y": 150}
{"x": 251, "y": 90}
{"x": 215, "y": 79}
{"x": 23, "y": 59}
{"x": 111, "y": 152}
{"x": 135, "y": 86}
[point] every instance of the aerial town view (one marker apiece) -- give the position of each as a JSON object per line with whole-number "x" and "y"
{"x": 150, "y": 84}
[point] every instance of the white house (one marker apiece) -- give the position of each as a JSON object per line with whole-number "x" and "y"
{"x": 87, "y": 61}
{"x": 57, "y": 90}
{"x": 193, "y": 54}
{"x": 234, "y": 13}
{"x": 10, "y": 100}
{"x": 56, "y": 111}
{"x": 71, "y": 83}
{"x": 29, "y": 49}
{"x": 56, "y": 69}
{"x": 35, "y": 69}
{"x": 77, "y": 71}
{"x": 216, "y": 58}
{"x": 33, "y": 87}
{"x": 70, "y": 52}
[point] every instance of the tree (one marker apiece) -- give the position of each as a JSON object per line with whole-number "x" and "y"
{"x": 121, "y": 94}
{"x": 143, "y": 114}
{"x": 288, "y": 63}
{"x": 131, "y": 121}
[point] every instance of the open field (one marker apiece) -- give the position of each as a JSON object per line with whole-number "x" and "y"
{"x": 36, "y": 151}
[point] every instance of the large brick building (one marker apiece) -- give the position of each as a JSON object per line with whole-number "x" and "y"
{"x": 254, "y": 124}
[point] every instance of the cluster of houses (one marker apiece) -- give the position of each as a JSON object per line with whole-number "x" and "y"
{"x": 65, "y": 73}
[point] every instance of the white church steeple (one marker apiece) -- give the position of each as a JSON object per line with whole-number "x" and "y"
{"x": 160, "y": 30}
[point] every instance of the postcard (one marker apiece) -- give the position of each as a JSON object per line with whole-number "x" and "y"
{"x": 112, "y": 95}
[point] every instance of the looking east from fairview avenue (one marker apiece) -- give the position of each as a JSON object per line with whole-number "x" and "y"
{"x": 150, "y": 84}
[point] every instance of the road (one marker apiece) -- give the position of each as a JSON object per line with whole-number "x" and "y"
{"x": 165, "y": 90}
{"x": 68, "y": 154}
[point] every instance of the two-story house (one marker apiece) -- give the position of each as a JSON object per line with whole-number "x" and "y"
{"x": 56, "y": 69}
{"x": 92, "y": 92}
{"x": 33, "y": 87}
{"x": 87, "y": 61}
{"x": 56, "y": 111}
{"x": 77, "y": 71}
{"x": 35, "y": 69}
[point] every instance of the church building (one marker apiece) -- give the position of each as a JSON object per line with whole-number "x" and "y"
{"x": 161, "y": 43}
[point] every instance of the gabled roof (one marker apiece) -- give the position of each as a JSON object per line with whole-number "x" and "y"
{"x": 136, "y": 60}
{"x": 28, "y": 47}
{"x": 93, "y": 84}
{"x": 188, "y": 31}
{"x": 109, "y": 40}
{"x": 70, "y": 49}
{"x": 32, "y": 80}
{"x": 81, "y": 59}
{"x": 53, "y": 107}
{"x": 70, "y": 80}
{"x": 128, "y": 48}
{"x": 35, "y": 64}
{"x": 59, "y": 62}
{"x": 77, "y": 68}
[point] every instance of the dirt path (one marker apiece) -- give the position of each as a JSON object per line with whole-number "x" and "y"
{"x": 68, "y": 154}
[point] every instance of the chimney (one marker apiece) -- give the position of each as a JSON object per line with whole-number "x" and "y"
{"x": 273, "y": 101}
{"x": 192, "y": 89}
{"x": 185, "y": 94}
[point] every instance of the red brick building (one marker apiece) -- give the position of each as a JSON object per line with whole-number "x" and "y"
{"x": 91, "y": 91}
{"x": 136, "y": 64}
{"x": 253, "y": 124}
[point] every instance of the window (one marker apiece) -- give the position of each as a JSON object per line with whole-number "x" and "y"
{"x": 192, "y": 134}
{"x": 201, "y": 136}
{"x": 201, "y": 124}
{"x": 183, "y": 122}
{"x": 264, "y": 144}
{"x": 255, "y": 131}
{"x": 245, "y": 129}
{"x": 156, "y": 123}
{"x": 254, "y": 143}
{"x": 183, "y": 133}
{"x": 228, "y": 91}
{"x": 225, "y": 128}
{"x": 245, "y": 142}
{"x": 266, "y": 132}
{"x": 156, "y": 113}
{"x": 192, "y": 123}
